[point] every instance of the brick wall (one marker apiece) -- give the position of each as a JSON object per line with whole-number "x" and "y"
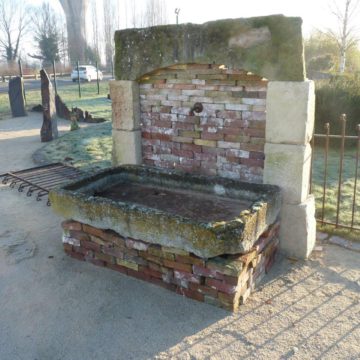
{"x": 224, "y": 281}
{"x": 226, "y": 139}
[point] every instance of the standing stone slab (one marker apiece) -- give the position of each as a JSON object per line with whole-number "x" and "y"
{"x": 49, "y": 129}
{"x": 16, "y": 97}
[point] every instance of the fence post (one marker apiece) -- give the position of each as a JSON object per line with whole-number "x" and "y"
{"x": 21, "y": 75}
{"x": 78, "y": 73}
{"x": 342, "y": 150}
{"x": 54, "y": 71}
{"x": 97, "y": 78}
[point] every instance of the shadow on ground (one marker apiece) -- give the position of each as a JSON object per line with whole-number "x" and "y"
{"x": 54, "y": 307}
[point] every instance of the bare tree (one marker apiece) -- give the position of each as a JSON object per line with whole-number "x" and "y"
{"x": 110, "y": 11}
{"x": 63, "y": 46}
{"x": 75, "y": 11}
{"x": 14, "y": 21}
{"x": 95, "y": 28}
{"x": 345, "y": 34}
{"x": 156, "y": 13}
{"x": 46, "y": 26}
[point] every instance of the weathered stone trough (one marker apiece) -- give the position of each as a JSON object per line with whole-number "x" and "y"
{"x": 208, "y": 238}
{"x": 207, "y": 216}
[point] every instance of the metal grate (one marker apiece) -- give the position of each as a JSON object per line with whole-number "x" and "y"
{"x": 41, "y": 179}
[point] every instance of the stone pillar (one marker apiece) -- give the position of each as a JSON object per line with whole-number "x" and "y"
{"x": 290, "y": 109}
{"x": 126, "y": 130}
{"x": 16, "y": 97}
{"x": 49, "y": 130}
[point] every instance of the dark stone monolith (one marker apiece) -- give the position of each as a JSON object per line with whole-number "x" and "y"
{"x": 16, "y": 97}
{"x": 62, "y": 110}
{"x": 49, "y": 129}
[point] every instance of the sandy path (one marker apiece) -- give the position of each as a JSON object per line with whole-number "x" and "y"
{"x": 54, "y": 307}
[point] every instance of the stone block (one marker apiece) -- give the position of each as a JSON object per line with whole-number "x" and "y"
{"x": 125, "y": 105}
{"x": 16, "y": 97}
{"x": 126, "y": 147}
{"x": 49, "y": 130}
{"x": 270, "y": 45}
{"x": 298, "y": 228}
{"x": 290, "y": 111}
{"x": 288, "y": 166}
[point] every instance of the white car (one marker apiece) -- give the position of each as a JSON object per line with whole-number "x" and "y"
{"x": 86, "y": 72}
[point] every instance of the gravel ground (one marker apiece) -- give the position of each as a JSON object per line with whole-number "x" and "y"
{"x": 54, "y": 307}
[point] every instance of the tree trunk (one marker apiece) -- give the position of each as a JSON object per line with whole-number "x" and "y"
{"x": 75, "y": 12}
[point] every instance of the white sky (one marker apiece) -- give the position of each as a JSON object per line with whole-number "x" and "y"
{"x": 315, "y": 13}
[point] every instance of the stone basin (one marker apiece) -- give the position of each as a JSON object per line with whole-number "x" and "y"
{"x": 205, "y": 215}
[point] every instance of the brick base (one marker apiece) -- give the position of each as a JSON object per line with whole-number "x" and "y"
{"x": 225, "y": 281}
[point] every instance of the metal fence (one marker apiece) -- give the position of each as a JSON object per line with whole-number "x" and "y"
{"x": 345, "y": 148}
{"x": 54, "y": 74}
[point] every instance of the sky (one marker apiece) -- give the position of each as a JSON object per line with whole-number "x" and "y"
{"x": 315, "y": 13}
{"x": 199, "y": 11}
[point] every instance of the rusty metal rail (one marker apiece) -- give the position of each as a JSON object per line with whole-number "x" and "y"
{"x": 326, "y": 137}
{"x": 41, "y": 179}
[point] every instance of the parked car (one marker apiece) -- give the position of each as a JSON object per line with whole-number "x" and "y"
{"x": 86, "y": 72}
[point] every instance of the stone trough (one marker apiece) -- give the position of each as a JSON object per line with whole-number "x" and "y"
{"x": 207, "y": 216}
{"x": 189, "y": 227}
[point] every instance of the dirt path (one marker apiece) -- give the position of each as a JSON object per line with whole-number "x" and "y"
{"x": 19, "y": 138}
{"x": 54, "y": 307}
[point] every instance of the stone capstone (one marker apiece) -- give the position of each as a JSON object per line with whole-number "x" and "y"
{"x": 270, "y": 46}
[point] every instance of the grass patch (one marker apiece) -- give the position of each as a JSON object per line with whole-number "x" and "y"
{"x": 331, "y": 195}
{"x": 87, "y": 148}
{"x": 97, "y": 105}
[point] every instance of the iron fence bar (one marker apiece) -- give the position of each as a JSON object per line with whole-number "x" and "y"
{"x": 37, "y": 169}
{"x": 343, "y": 129}
{"x": 46, "y": 175}
{"x": 312, "y": 142}
{"x": 356, "y": 176}
{"x": 54, "y": 72}
{"x": 349, "y": 137}
{"x": 340, "y": 225}
{"x": 50, "y": 182}
{"x": 43, "y": 168}
{"x": 22, "y": 78}
{"x": 28, "y": 182}
{"x": 97, "y": 78}
{"x": 327, "y": 141}
{"x": 78, "y": 78}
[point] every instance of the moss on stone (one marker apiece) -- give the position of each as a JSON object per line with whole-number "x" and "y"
{"x": 270, "y": 46}
{"x": 77, "y": 201}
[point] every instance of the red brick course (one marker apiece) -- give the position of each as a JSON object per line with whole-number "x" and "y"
{"x": 224, "y": 281}
{"x": 233, "y": 118}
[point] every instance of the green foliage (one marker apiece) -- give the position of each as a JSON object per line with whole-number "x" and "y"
{"x": 47, "y": 34}
{"x": 49, "y": 48}
{"x": 340, "y": 95}
{"x": 91, "y": 55}
{"x": 322, "y": 55}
